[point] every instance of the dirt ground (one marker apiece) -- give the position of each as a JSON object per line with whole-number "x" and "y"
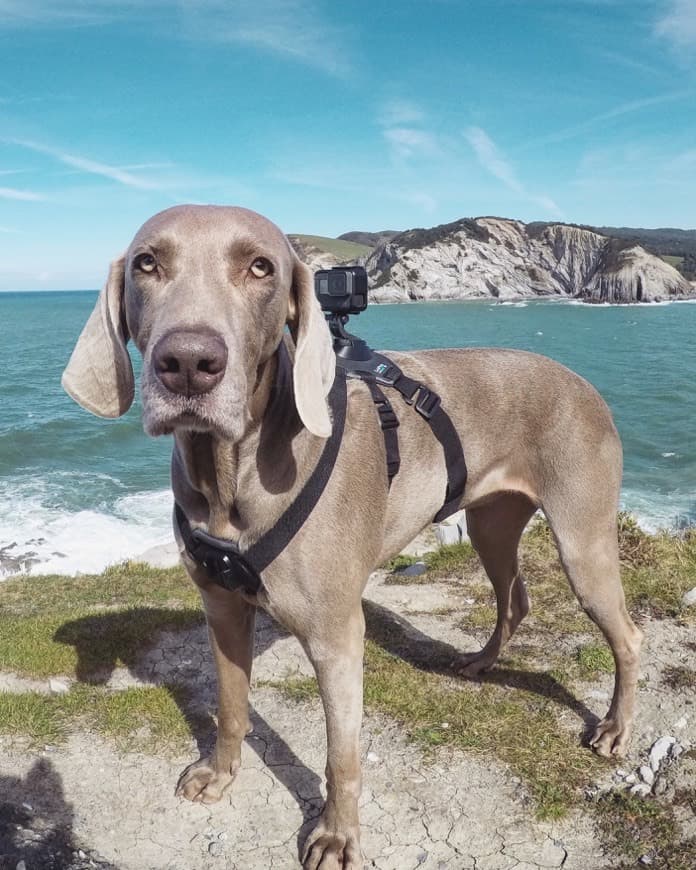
{"x": 91, "y": 803}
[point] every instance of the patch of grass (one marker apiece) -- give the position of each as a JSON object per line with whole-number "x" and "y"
{"x": 679, "y": 677}
{"x": 297, "y": 689}
{"x": 519, "y": 728}
{"x": 341, "y": 248}
{"x": 80, "y": 625}
{"x": 636, "y": 547}
{"x": 147, "y": 717}
{"x": 126, "y": 585}
{"x": 480, "y": 616}
{"x": 399, "y": 562}
{"x": 32, "y": 715}
{"x": 142, "y": 717}
{"x": 84, "y": 643}
{"x": 450, "y": 560}
{"x": 593, "y": 660}
{"x": 634, "y": 827}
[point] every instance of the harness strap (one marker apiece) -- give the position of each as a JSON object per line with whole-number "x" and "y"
{"x": 223, "y": 559}
{"x": 389, "y": 423}
{"x": 427, "y": 403}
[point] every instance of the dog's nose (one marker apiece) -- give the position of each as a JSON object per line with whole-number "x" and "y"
{"x": 190, "y": 362}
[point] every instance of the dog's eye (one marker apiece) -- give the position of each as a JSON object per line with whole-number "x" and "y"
{"x": 146, "y": 263}
{"x": 261, "y": 268}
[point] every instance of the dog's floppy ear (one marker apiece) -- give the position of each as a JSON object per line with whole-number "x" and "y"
{"x": 99, "y": 374}
{"x": 315, "y": 361}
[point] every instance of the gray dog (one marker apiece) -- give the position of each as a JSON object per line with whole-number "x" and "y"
{"x": 206, "y": 293}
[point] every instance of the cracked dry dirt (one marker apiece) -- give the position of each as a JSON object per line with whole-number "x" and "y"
{"x": 451, "y": 810}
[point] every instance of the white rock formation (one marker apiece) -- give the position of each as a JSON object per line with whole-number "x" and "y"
{"x": 506, "y": 259}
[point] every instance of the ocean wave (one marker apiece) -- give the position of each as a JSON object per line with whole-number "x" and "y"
{"x": 660, "y": 511}
{"x": 38, "y": 536}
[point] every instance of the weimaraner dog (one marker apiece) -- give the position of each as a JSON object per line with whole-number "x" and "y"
{"x": 206, "y": 294}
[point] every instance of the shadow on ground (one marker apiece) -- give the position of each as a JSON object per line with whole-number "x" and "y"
{"x": 399, "y": 637}
{"x": 96, "y": 641}
{"x": 36, "y": 824}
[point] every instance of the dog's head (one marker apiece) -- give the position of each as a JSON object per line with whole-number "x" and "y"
{"x": 205, "y": 293}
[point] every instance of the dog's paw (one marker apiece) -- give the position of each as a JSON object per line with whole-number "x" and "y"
{"x": 610, "y": 737}
{"x": 327, "y": 849}
{"x": 201, "y": 783}
{"x": 473, "y": 664}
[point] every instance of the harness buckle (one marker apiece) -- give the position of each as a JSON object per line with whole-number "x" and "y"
{"x": 387, "y": 417}
{"x": 387, "y": 374}
{"x": 427, "y": 403}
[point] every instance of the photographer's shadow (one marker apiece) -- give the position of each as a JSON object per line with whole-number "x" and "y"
{"x": 36, "y": 822}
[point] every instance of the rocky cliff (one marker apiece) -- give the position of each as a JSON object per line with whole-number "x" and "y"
{"x": 506, "y": 259}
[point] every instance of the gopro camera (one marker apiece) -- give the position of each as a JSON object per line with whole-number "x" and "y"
{"x": 341, "y": 290}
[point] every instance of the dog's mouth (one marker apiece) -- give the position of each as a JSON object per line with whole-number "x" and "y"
{"x": 165, "y": 413}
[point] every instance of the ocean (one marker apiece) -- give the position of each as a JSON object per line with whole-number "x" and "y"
{"x": 78, "y": 493}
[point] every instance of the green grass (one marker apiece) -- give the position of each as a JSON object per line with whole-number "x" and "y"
{"x": 447, "y": 562}
{"x": 672, "y": 260}
{"x": 148, "y": 717}
{"x": 32, "y": 715}
{"x": 593, "y": 660}
{"x": 88, "y": 624}
{"x": 450, "y": 561}
{"x": 340, "y": 248}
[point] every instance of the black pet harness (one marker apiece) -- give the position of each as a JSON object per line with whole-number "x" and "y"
{"x": 233, "y": 569}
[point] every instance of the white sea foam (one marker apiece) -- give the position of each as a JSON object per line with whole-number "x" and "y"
{"x": 657, "y": 511}
{"x": 38, "y": 537}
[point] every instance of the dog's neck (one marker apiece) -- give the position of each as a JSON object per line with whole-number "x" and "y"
{"x": 239, "y": 489}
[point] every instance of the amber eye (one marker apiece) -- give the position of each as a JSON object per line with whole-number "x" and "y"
{"x": 146, "y": 263}
{"x": 261, "y": 268}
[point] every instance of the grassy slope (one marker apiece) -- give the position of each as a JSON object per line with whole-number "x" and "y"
{"x": 340, "y": 248}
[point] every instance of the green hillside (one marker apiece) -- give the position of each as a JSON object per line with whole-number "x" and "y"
{"x": 338, "y": 247}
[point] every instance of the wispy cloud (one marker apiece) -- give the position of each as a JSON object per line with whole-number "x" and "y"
{"x": 295, "y": 29}
{"x": 22, "y": 195}
{"x": 403, "y": 131}
{"x": 395, "y": 113}
{"x": 678, "y": 24}
{"x": 493, "y": 161}
{"x": 409, "y": 141}
{"x": 627, "y": 108}
{"x": 7, "y": 229}
{"x": 92, "y": 167}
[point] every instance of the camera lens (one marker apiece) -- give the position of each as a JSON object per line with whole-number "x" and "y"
{"x": 338, "y": 284}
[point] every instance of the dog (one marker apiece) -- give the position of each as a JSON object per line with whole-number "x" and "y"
{"x": 213, "y": 297}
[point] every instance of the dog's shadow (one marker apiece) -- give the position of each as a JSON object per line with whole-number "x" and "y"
{"x": 399, "y": 637}
{"x": 183, "y": 664}
{"x": 180, "y": 661}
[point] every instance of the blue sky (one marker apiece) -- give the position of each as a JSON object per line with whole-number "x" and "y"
{"x": 329, "y": 117}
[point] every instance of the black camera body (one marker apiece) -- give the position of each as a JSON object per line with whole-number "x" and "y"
{"x": 342, "y": 289}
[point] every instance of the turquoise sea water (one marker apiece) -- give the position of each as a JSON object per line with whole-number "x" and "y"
{"x": 78, "y": 492}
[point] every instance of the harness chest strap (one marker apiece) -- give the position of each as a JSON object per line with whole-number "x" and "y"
{"x": 222, "y": 558}
{"x": 232, "y": 569}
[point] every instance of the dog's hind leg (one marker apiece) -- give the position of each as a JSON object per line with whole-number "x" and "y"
{"x": 588, "y": 546}
{"x": 495, "y": 530}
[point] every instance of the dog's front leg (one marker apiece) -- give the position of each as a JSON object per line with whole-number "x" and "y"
{"x": 334, "y": 844}
{"x": 231, "y": 632}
